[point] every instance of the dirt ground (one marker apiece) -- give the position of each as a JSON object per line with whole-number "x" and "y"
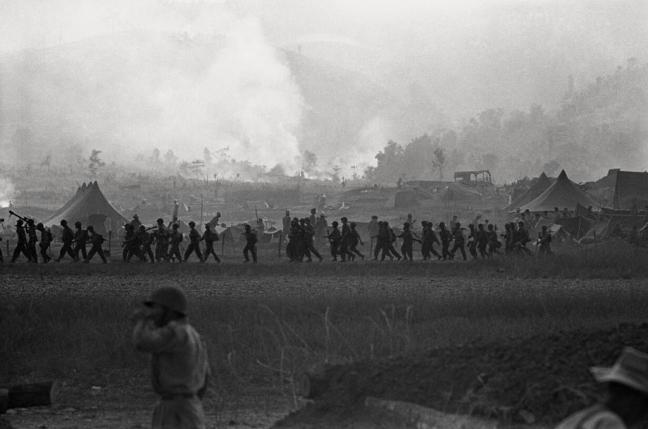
{"x": 538, "y": 374}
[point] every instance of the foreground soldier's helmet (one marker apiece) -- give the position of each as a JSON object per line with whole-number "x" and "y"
{"x": 192, "y": 224}
{"x": 169, "y": 297}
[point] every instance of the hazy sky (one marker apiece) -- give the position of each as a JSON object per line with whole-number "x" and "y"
{"x": 461, "y": 56}
{"x": 463, "y": 52}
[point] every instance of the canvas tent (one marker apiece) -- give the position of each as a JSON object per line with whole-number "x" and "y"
{"x": 630, "y": 190}
{"x": 563, "y": 194}
{"x": 532, "y": 193}
{"x": 90, "y": 207}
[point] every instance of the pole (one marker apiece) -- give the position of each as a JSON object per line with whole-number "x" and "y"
{"x": 109, "y": 244}
{"x": 202, "y": 207}
{"x": 280, "y": 242}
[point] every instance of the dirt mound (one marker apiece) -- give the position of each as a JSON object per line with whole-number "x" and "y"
{"x": 539, "y": 379}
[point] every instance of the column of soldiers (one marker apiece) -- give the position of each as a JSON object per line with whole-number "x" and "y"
{"x": 481, "y": 240}
{"x": 162, "y": 243}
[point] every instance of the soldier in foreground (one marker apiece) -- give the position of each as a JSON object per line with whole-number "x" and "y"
{"x": 179, "y": 361}
{"x": 627, "y": 399}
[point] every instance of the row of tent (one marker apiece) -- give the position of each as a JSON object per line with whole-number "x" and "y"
{"x": 589, "y": 220}
{"x": 628, "y": 189}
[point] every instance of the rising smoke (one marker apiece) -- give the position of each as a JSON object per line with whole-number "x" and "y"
{"x": 181, "y": 76}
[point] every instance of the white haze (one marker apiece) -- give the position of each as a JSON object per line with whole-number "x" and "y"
{"x": 459, "y": 56}
{"x": 153, "y": 93}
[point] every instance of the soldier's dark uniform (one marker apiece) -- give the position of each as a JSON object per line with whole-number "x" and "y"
{"x": 67, "y": 237}
{"x": 145, "y": 240}
{"x": 250, "y": 244}
{"x": 80, "y": 240}
{"x": 345, "y": 234}
{"x": 459, "y": 242}
{"x": 472, "y": 241}
{"x": 354, "y": 240}
{"x": 194, "y": 243}
{"x": 493, "y": 242}
{"x": 32, "y": 239}
{"x": 482, "y": 241}
{"x": 175, "y": 238}
{"x": 161, "y": 241}
{"x": 21, "y": 246}
{"x": 334, "y": 238}
{"x": 210, "y": 237}
{"x": 382, "y": 242}
{"x": 446, "y": 238}
{"x": 309, "y": 242}
{"x": 408, "y": 241}
{"x": 392, "y": 241}
{"x": 45, "y": 241}
{"x": 131, "y": 244}
{"x": 429, "y": 238}
{"x": 96, "y": 241}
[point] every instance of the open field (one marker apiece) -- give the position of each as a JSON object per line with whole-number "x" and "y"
{"x": 266, "y": 324}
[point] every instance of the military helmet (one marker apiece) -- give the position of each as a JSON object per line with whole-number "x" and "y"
{"x": 40, "y": 225}
{"x": 160, "y": 220}
{"x": 192, "y": 224}
{"x": 77, "y": 224}
{"x": 63, "y": 222}
{"x": 19, "y": 222}
{"x": 169, "y": 297}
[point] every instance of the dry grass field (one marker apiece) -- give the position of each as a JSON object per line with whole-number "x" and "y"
{"x": 265, "y": 324}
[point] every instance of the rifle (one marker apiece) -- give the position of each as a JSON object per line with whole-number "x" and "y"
{"x": 12, "y": 213}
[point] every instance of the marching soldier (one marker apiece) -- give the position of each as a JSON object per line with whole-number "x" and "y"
{"x": 175, "y": 238}
{"x": 80, "y": 240}
{"x": 32, "y": 240}
{"x": 250, "y": 244}
{"x": 96, "y": 241}
{"x": 309, "y": 243}
{"x": 161, "y": 241}
{"x": 459, "y": 242}
{"x": 446, "y": 238}
{"x": 194, "y": 243}
{"x": 145, "y": 240}
{"x": 334, "y": 238}
{"x": 21, "y": 246}
{"x": 210, "y": 237}
{"x": 354, "y": 240}
{"x": 67, "y": 238}
{"x": 45, "y": 241}
{"x": 408, "y": 241}
{"x": 429, "y": 238}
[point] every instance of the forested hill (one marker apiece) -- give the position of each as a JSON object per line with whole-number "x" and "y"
{"x": 599, "y": 126}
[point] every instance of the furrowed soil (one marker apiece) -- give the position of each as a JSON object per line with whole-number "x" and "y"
{"x": 487, "y": 343}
